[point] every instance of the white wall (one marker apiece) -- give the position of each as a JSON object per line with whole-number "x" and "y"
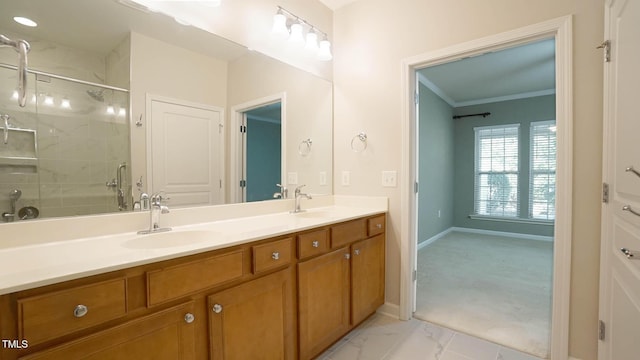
{"x": 162, "y": 69}
{"x": 371, "y": 39}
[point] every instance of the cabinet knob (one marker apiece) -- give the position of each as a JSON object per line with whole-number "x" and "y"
{"x": 189, "y": 318}
{"x": 315, "y": 244}
{"x": 356, "y": 251}
{"x": 217, "y": 308}
{"x": 347, "y": 256}
{"x": 379, "y": 226}
{"x": 275, "y": 255}
{"x": 80, "y": 311}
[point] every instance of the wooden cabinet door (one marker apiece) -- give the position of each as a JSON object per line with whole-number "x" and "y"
{"x": 166, "y": 334}
{"x": 254, "y": 320}
{"x": 367, "y": 277}
{"x": 323, "y": 301}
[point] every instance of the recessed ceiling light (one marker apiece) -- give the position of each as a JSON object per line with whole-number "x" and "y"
{"x": 25, "y": 21}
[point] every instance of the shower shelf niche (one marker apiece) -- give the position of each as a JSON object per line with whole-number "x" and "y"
{"x": 19, "y": 154}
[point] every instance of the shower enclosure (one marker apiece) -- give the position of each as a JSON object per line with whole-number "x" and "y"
{"x": 66, "y": 151}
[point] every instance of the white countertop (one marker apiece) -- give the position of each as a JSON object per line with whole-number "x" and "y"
{"x": 44, "y": 263}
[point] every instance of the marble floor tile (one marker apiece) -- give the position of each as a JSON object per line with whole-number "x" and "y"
{"x": 385, "y": 338}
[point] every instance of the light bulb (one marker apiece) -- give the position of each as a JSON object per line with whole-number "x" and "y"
{"x": 122, "y": 112}
{"x": 65, "y": 103}
{"x": 110, "y": 110}
{"x": 14, "y": 95}
{"x": 324, "y": 54}
{"x": 48, "y": 100}
{"x": 312, "y": 41}
{"x": 25, "y": 21}
{"x": 296, "y": 37}
{"x": 280, "y": 25}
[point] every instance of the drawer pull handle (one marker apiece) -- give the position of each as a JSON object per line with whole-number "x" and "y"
{"x": 189, "y": 318}
{"x": 347, "y": 256}
{"x": 631, "y": 254}
{"x": 80, "y": 311}
{"x": 357, "y": 251}
{"x": 315, "y": 244}
{"x": 217, "y": 308}
{"x": 275, "y": 255}
{"x": 379, "y": 226}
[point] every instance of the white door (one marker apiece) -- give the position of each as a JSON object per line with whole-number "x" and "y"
{"x": 186, "y": 153}
{"x": 620, "y": 255}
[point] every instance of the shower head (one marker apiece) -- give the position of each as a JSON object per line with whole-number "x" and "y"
{"x": 97, "y": 95}
{"x": 15, "y": 194}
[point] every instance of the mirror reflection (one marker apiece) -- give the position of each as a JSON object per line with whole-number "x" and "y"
{"x": 123, "y": 102}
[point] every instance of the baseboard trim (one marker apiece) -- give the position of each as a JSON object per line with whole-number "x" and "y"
{"x": 502, "y": 233}
{"x": 434, "y": 238}
{"x": 389, "y": 309}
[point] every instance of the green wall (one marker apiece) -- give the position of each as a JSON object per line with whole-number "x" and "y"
{"x": 436, "y": 160}
{"x": 263, "y": 159}
{"x": 523, "y": 112}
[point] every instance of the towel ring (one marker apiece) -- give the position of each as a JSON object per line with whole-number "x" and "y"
{"x": 359, "y": 146}
{"x": 305, "y": 147}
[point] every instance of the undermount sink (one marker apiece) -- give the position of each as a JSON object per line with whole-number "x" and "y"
{"x": 169, "y": 239}
{"x": 320, "y": 214}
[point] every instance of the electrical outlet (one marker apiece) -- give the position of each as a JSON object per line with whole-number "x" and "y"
{"x": 292, "y": 178}
{"x": 389, "y": 178}
{"x": 323, "y": 178}
{"x": 346, "y": 178}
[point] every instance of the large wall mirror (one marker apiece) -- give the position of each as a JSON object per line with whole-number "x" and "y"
{"x": 122, "y": 101}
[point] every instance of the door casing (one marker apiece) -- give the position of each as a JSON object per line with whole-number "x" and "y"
{"x": 561, "y": 30}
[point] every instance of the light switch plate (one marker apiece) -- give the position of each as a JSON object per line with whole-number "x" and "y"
{"x": 292, "y": 178}
{"x": 389, "y": 178}
{"x": 323, "y": 178}
{"x": 346, "y": 178}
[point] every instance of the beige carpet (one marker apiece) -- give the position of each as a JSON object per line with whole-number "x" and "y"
{"x": 496, "y": 288}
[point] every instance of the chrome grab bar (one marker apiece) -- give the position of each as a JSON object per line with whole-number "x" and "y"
{"x": 5, "y": 117}
{"x": 122, "y": 205}
{"x": 22, "y": 48}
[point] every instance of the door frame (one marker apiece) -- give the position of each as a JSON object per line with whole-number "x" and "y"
{"x": 561, "y": 30}
{"x": 236, "y": 155}
{"x": 149, "y": 99}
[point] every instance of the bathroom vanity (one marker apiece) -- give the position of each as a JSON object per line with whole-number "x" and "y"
{"x": 265, "y": 294}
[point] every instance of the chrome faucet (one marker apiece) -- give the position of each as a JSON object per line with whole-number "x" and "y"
{"x": 282, "y": 194}
{"x": 298, "y": 195}
{"x": 155, "y": 209}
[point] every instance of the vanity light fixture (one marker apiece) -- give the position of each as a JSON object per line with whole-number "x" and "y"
{"x": 65, "y": 103}
{"x": 110, "y": 110}
{"x": 25, "y": 21}
{"x": 285, "y": 23}
{"x": 48, "y": 100}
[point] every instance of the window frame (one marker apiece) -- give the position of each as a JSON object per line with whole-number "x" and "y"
{"x": 533, "y": 171}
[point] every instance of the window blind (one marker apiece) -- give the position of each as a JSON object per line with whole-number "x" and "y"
{"x": 496, "y": 171}
{"x": 542, "y": 179}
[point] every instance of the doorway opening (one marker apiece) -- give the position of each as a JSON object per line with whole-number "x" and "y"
{"x": 560, "y": 31}
{"x": 257, "y": 150}
{"x": 486, "y": 195}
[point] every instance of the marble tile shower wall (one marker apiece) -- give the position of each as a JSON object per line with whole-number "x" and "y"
{"x": 79, "y": 147}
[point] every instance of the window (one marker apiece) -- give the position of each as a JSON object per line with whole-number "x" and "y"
{"x": 496, "y": 171}
{"x": 542, "y": 180}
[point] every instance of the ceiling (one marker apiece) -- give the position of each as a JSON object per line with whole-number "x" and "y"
{"x": 518, "y": 72}
{"x": 336, "y": 4}
{"x": 99, "y": 26}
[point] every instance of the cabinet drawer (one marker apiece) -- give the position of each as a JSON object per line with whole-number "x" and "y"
{"x": 375, "y": 225}
{"x": 45, "y": 317}
{"x": 313, "y": 243}
{"x": 271, "y": 255}
{"x": 180, "y": 280}
{"x": 347, "y": 233}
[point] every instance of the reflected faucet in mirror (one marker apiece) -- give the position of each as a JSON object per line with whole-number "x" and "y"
{"x": 156, "y": 208}
{"x": 14, "y": 195}
{"x": 282, "y": 194}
